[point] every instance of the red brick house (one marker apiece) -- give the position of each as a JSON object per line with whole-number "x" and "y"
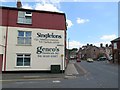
{"x": 88, "y": 51}
{"x": 31, "y": 40}
{"x": 116, "y": 50}
{"x": 94, "y": 52}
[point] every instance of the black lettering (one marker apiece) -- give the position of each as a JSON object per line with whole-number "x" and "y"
{"x": 38, "y": 34}
{"x": 59, "y": 36}
{"x": 52, "y": 35}
{"x": 39, "y": 51}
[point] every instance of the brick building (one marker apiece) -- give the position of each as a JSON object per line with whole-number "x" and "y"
{"x": 94, "y": 52}
{"x": 116, "y": 50}
{"x": 31, "y": 40}
{"x": 89, "y": 51}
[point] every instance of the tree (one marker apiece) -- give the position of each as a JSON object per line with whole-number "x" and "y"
{"x": 74, "y": 49}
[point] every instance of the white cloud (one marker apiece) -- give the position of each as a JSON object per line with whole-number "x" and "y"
{"x": 82, "y": 21}
{"x": 27, "y": 6}
{"x": 108, "y": 37}
{"x": 74, "y": 44}
{"x": 46, "y": 7}
{"x": 104, "y": 43}
{"x": 70, "y": 0}
{"x": 55, "y": 1}
{"x": 77, "y": 44}
{"x": 2, "y": 0}
{"x": 69, "y": 23}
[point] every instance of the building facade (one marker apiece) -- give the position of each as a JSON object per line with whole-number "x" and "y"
{"x": 90, "y": 51}
{"x": 116, "y": 50}
{"x": 31, "y": 40}
{"x": 94, "y": 52}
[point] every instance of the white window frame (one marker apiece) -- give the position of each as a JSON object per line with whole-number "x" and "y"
{"x": 115, "y": 45}
{"x": 24, "y": 38}
{"x": 23, "y": 56}
{"x": 22, "y": 17}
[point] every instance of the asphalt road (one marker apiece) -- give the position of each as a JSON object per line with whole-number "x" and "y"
{"x": 98, "y": 75}
{"x": 103, "y": 74}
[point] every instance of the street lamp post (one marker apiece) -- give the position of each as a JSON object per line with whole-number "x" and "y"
{"x": 68, "y": 50}
{"x": 62, "y": 62}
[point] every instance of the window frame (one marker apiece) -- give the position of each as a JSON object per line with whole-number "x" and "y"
{"x": 115, "y": 45}
{"x": 25, "y": 38}
{"x": 23, "y": 59}
{"x": 22, "y": 18}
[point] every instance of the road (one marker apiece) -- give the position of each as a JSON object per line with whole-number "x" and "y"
{"x": 97, "y": 75}
{"x": 104, "y": 74}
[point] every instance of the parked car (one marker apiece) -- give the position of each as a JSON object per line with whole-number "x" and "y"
{"x": 102, "y": 59}
{"x": 90, "y": 60}
{"x": 78, "y": 60}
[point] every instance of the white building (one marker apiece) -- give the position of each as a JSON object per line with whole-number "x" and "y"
{"x": 32, "y": 40}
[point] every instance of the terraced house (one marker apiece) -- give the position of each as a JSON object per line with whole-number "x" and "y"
{"x": 32, "y": 40}
{"x": 116, "y": 50}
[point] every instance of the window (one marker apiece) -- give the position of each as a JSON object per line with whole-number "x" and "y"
{"x": 24, "y": 17}
{"x": 23, "y": 59}
{"x": 115, "y": 45}
{"x": 24, "y": 37}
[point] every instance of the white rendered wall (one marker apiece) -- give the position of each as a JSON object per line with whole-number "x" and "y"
{"x": 37, "y": 63}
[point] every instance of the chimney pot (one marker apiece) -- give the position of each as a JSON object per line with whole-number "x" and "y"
{"x": 19, "y": 4}
{"x": 101, "y": 45}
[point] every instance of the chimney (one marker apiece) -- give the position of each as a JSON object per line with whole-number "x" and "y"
{"x": 19, "y": 4}
{"x": 91, "y": 44}
{"x": 101, "y": 45}
{"x": 87, "y": 44}
{"x": 106, "y": 45}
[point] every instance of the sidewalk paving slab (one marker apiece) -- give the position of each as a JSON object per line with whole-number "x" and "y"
{"x": 71, "y": 70}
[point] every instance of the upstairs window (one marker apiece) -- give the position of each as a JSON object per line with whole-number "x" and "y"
{"x": 24, "y": 17}
{"x": 24, "y": 37}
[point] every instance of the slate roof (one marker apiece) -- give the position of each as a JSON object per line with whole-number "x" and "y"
{"x": 116, "y": 40}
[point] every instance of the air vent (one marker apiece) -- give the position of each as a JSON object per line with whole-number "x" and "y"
{"x": 28, "y": 14}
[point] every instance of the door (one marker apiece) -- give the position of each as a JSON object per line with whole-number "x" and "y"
{"x": 1, "y": 59}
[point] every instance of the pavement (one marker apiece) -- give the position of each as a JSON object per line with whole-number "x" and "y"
{"x": 72, "y": 71}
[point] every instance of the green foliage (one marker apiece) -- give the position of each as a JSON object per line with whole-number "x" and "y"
{"x": 72, "y": 50}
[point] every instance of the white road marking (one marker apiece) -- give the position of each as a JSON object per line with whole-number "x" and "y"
{"x": 56, "y": 81}
{"x": 31, "y": 76}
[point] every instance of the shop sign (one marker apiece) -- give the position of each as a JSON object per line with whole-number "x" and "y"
{"x": 50, "y": 38}
{"x": 47, "y": 52}
{"x": 48, "y": 35}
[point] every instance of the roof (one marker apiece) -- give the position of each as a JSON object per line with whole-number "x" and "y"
{"x": 32, "y": 10}
{"x": 116, "y": 40}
